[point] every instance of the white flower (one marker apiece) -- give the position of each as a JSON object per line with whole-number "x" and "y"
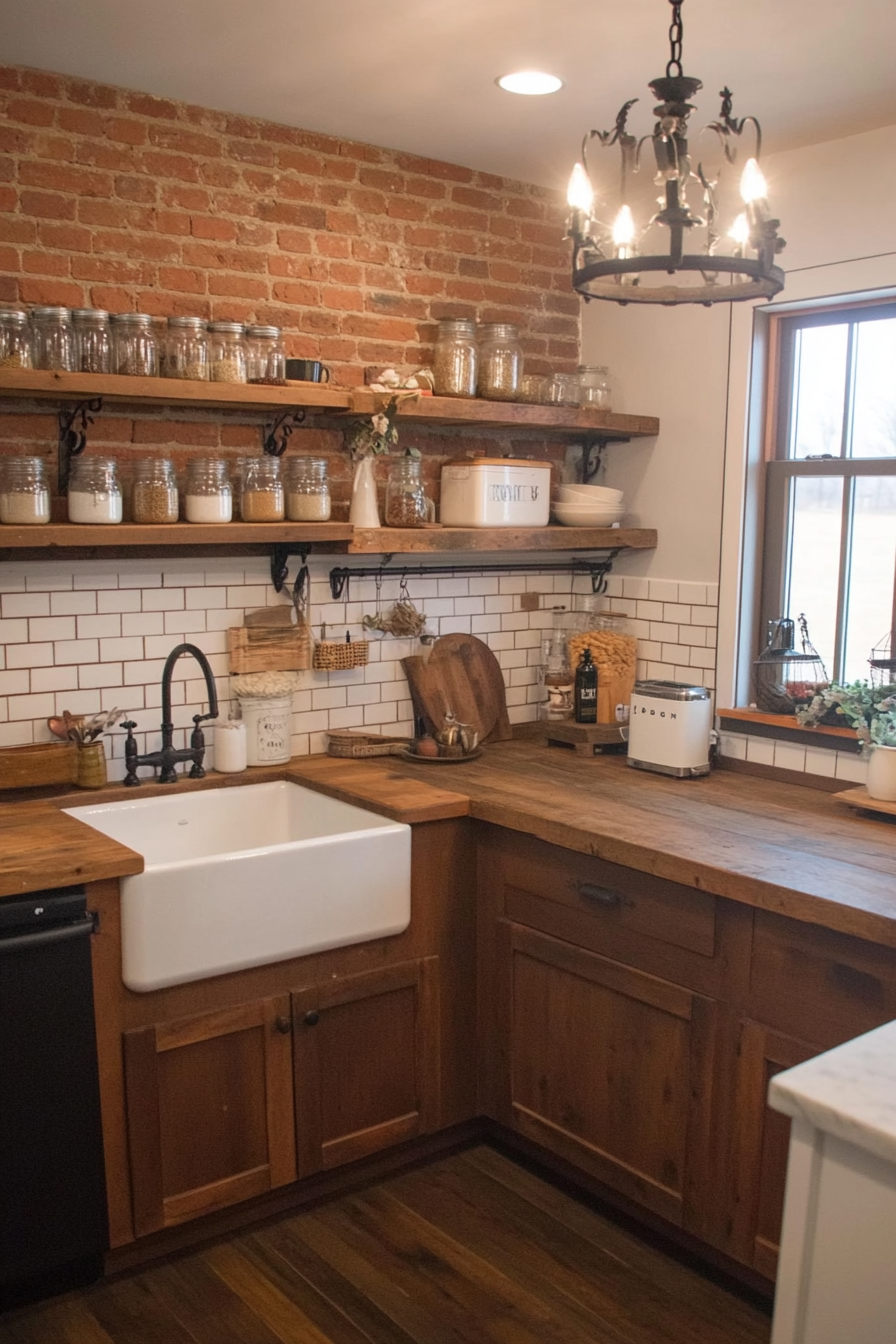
{"x": 380, "y": 424}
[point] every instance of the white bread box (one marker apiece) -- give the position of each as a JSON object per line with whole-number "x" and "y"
{"x": 495, "y": 492}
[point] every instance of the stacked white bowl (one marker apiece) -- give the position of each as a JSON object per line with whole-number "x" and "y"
{"x": 588, "y": 506}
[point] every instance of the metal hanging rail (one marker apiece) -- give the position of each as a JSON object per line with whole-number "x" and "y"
{"x": 597, "y": 570}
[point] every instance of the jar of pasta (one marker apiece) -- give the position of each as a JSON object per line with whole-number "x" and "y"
{"x": 615, "y": 654}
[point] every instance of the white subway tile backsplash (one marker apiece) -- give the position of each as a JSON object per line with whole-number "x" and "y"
{"x": 663, "y": 590}
{"x": 649, "y": 611}
{"x": 164, "y": 599}
{"x": 100, "y": 674}
{"x": 77, "y": 651}
{"x": 52, "y": 627}
{"x": 761, "y": 750}
{"x": 455, "y": 625}
{"x": 24, "y": 604}
{"x": 99, "y": 627}
{"x": 56, "y": 582}
{"x": 121, "y": 649}
{"x": 635, "y": 587}
{"x": 55, "y": 678}
{"x": 15, "y": 683}
{"x": 136, "y": 623}
{"x": 72, "y": 604}
{"x": 114, "y": 600}
{"x": 692, "y": 592}
{"x": 674, "y": 611}
{"x": 32, "y": 706}
{"x": 29, "y": 655}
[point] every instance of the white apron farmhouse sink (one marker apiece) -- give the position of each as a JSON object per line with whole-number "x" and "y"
{"x": 243, "y": 876}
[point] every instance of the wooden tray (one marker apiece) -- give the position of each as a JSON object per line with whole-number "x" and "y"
{"x": 586, "y": 739}
{"x": 860, "y": 798}
{"x": 441, "y": 760}
{"x": 267, "y": 648}
{"x": 348, "y": 742}
{"x": 45, "y": 763}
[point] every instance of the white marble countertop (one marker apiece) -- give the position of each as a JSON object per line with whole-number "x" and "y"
{"x": 849, "y": 1092}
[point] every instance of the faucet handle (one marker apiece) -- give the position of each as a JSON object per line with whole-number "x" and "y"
{"x": 129, "y": 724}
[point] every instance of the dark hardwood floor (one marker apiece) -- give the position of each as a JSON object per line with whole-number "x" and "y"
{"x": 471, "y": 1249}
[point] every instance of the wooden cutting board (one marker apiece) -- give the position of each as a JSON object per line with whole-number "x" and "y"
{"x": 463, "y": 676}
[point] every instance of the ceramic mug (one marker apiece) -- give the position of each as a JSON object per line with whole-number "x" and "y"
{"x": 307, "y": 371}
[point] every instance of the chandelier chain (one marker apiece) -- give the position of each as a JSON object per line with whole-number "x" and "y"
{"x": 676, "y": 37}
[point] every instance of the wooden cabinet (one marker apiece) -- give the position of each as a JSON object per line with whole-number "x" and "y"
{"x": 605, "y": 1066}
{"x": 209, "y": 1111}
{"x": 366, "y": 1063}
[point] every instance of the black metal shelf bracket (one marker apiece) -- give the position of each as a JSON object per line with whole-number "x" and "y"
{"x": 275, "y": 439}
{"x": 73, "y": 437}
{"x": 597, "y": 570}
{"x": 590, "y": 442}
{"x": 280, "y": 555}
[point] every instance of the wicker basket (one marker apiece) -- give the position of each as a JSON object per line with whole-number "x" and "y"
{"x": 347, "y": 742}
{"x": 333, "y": 656}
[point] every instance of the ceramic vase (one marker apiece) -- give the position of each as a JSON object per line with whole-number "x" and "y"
{"x": 91, "y": 766}
{"x": 364, "y": 510}
{"x": 881, "y": 782}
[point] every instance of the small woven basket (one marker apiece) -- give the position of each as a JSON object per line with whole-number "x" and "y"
{"x": 334, "y": 656}
{"x": 346, "y": 742}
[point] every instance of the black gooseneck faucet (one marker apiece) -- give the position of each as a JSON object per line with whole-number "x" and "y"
{"x": 169, "y": 756}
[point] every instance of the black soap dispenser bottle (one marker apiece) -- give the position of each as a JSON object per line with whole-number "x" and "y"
{"x": 586, "y": 689}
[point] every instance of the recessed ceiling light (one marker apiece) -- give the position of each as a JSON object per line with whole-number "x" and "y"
{"x": 530, "y": 81}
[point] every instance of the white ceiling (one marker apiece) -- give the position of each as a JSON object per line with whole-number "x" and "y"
{"x": 420, "y": 76}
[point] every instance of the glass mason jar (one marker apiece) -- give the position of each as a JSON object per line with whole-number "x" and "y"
{"x": 307, "y": 490}
{"x": 261, "y": 499}
{"x": 227, "y": 349}
{"x": 94, "y": 491}
{"x": 594, "y": 386}
{"x": 208, "y": 497}
{"x": 456, "y": 358}
{"x": 564, "y": 389}
{"x": 15, "y": 339}
{"x": 266, "y": 357}
{"x": 154, "y": 498}
{"x": 533, "y": 388}
{"x": 406, "y": 501}
{"x": 24, "y": 493}
{"x": 93, "y": 340}
{"x": 135, "y": 350}
{"x": 500, "y": 361}
{"x": 186, "y": 349}
{"x": 52, "y": 340}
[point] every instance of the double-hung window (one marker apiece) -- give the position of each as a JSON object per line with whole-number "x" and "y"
{"x": 830, "y": 515}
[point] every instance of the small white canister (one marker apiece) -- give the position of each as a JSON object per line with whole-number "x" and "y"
{"x": 496, "y": 492}
{"x": 268, "y": 721}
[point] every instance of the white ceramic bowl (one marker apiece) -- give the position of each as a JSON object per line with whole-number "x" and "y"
{"x": 589, "y": 494}
{"x": 586, "y": 516}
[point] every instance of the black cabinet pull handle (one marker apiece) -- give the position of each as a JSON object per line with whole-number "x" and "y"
{"x": 283, "y": 1025}
{"x": 600, "y": 895}
{"x": 312, "y": 1018}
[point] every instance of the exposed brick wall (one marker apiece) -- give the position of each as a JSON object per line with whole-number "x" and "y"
{"x": 120, "y": 200}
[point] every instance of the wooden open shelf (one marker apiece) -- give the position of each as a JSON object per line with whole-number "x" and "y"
{"x": 451, "y": 412}
{"x": 122, "y": 536}
{"x": 442, "y": 540}
{"x": 563, "y": 421}
{"x": 168, "y": 391}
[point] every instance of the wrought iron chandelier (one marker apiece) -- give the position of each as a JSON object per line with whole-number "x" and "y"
{"x": 630, "y": 228}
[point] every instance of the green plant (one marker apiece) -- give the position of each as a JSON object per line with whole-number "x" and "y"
{"x": 870, "y": 710}
{"x": 378, "y": 433}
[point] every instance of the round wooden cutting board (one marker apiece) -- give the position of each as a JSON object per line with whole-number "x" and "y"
{"x": 463, "y": 676}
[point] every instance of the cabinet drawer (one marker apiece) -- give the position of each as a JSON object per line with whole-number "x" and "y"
{"x": 819, "y": 985}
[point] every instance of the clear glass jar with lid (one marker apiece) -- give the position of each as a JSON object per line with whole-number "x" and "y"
{"x": 307, "y": 490}
{"x": 261, "y": 500}
{"x": 135, "y": 350}
{"x": 15, "y": 339}
{"x": 52, "y": 340}
{"x": 500, "y": 361}
{"x": 24, "y": 493}
{"x": 208, "y": 497}
{"x": 227, "y": 350}
{"x": 594, "y": 384}
{"x": 266, "y": 357}
{"x": 94, "y": 491}
{"x": 186, "y": 349}
{"x": 93, "y": 340}
{"x": 456, "y": 358}
{"x": 406, "y": 502}
{"x": 564, "y": 389}
{"x": 154, "y": 496}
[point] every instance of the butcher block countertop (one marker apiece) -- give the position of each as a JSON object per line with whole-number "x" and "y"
{"x": 791, "y": 850}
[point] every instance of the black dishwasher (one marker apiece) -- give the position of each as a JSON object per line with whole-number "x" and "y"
{"x": 53, "y": 1221}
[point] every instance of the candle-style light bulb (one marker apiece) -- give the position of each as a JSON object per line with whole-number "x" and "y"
{"x": 740, "y": 230}
{"x": 624, "y": 230}
{"x": 752, "y": 183}
{"x": 579, "y": 193}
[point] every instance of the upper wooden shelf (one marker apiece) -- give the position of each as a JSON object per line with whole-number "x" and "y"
{"x": 568, "y": 421}
{"x": 560, "y": 421}
{"x": 169, "y": 391}
{"x": 440, "y": 540}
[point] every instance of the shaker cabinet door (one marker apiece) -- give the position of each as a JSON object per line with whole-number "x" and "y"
{"x": 606, "y": 1066}
{"x": 209, "y": 1111}
{"x": 366, "y": 1062}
